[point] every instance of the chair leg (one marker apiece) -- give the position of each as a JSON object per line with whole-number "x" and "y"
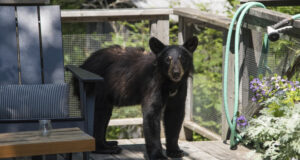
{"x": 51, "y": 157}
{"x": 86, "y": 155}
{"x": 68, "y": 156}
{"x": 37, "y": 158}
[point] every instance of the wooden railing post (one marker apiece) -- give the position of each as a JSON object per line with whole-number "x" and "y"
{"x": 185, "y": 32}
{"x": 230, "y": 90}
{"x": 249, "y": 55}
{"x": 160, "y": 29}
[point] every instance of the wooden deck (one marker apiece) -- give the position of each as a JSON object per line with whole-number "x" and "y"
{"x": 133, "y": 149}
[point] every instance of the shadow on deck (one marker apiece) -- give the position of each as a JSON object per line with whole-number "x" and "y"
{"x": 133, "y": 149}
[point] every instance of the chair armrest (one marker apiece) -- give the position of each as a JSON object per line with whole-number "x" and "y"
{"x": 83, "y": 75}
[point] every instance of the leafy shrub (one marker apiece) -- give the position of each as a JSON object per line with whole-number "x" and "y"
{"x": 275, "y": 133}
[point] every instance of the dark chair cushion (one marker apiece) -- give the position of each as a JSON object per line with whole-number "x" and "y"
{"x": 37, "y": 101}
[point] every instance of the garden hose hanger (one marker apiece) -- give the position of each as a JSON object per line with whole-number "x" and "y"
{"x": 273, "y": 35}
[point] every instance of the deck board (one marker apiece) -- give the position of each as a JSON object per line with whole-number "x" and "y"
{"x": 134, "y": 149}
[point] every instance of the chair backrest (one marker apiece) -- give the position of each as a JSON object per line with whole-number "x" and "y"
{"x": 31, "y": 45}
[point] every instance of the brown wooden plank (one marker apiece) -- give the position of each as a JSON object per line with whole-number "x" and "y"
{"x": 126, "y": 121}
{"x": 274, "y": 2}
{"x": 263, "y": 17}
{"x": 139, "y": 147}
{"x": 201, "y": 130}
{"x": 29, "y": 143}
{"x": 203, "y": 18}
{"x": 222, "y": 151}
{"x": 97, "y": 15}
{"x": 192, "y": 152}
{"x": 130, "y": 151}
{"x": 102, "y": 156}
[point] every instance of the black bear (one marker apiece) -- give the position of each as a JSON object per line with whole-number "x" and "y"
{"x": 157, "y": 81}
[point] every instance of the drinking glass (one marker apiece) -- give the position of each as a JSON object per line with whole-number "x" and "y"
{"x": 45, "y": 127}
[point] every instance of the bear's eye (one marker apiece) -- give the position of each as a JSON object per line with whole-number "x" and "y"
{"x": 181, "y": 57}
{"x": 168, "y": 59}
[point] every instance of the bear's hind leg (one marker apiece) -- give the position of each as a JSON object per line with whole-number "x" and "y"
{"x": 103, "y": 113}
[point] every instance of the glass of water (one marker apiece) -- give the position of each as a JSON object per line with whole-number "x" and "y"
{"x": 45, "y": 127}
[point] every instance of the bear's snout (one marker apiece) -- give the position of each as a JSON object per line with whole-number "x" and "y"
{"x": 176, "y": 72}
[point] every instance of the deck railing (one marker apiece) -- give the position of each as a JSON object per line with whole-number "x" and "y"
{"x": 255, "y": 23}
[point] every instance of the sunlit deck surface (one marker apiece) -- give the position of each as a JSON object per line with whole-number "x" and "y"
{"x": 133, "y": 149}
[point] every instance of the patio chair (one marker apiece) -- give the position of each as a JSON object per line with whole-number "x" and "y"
{"x": 32, "y": 82}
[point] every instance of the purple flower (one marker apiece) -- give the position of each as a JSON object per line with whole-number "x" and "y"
{"x": 263, "y": 92}
{"x": 255, "y": 89}
{"x": 242, "y": 121}
{"x": 254, "y": 99}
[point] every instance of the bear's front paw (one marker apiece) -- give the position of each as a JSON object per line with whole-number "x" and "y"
{"x": 105, "y": 149}
{"x": 112, "y": 143}
{"x": 175, "y": 153}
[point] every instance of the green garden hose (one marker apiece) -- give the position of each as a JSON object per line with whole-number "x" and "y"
{"x": 241, "y": 12}
{"x": 297, "y": 16}
{"x": 234, "y": 137}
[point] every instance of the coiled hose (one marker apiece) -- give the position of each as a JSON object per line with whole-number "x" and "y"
{"x": 273, "y": 35}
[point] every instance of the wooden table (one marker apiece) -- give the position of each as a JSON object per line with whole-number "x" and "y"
{"x": 29, "y": 143}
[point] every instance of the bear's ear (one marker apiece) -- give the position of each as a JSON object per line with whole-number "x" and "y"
{"x": 191, "y": 44}
{"x": 156, "y": 45}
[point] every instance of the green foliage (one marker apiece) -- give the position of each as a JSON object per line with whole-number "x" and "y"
{"x": 127, "y": 112}
{"x": 68, "y": 4}
{"x": 199, "y": 137}
{"x": 275, "y": 132}
{"x": 207, "y": 82}
{"x": 137, "y": 35}
{"x": 124, "y": 132}
{"x": 276, "y": 138}
{"x": 275, "y": 93}
{"x": 286, "y": 9}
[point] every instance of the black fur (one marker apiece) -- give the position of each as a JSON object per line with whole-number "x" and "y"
{"x": 157, "y": 81}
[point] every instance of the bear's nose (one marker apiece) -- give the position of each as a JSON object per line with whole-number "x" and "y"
{"x": 176, "y": 74}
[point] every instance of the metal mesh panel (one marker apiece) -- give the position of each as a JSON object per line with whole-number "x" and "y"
{"x": 77, "y": 48}
{"x": 280, "y": 57}
{"x": 207, "y": 80}
{"x": 207, "y": 92}
{"x": 207, "y": 102}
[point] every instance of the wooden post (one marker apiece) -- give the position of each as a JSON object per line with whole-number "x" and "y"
{"x": 185, "y": 32}
{"x": 249, "y": 55}
{"x": 160, "y": 29}
{"x": 230, "y": 84}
